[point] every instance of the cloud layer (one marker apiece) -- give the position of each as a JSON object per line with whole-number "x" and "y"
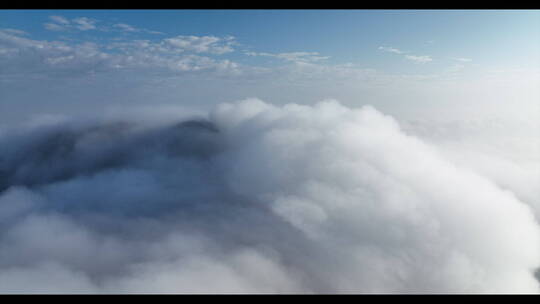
{"x": 254, "y": 198}
{"x": 28, "y": 58}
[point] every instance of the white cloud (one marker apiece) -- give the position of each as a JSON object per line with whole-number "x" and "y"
{"x": 293, "y": 56}
{"x": 54, "y": 27}
{"x": 52, "y": 57}
{"x": 129, "y": 28}
{"x": 414, "y": 58}
{"x": 59, "y": 20}
{"x": 505, "y": 150}
{"x": 62, "y": 24}
{"x": 84, "y": 24}
{"x": 391, "y": 50}
{"x": 201, "y": 44}
{"x": 14, "y": 32}
{"x": 257, "y": 198}
{"x": 419, "y": 59}
{"x": 125, "y": 27}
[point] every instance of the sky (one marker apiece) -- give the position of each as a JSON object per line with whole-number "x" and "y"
{"x": 345, "y": 35}
{"x": 355, "y": 56}
{"x": 269, "y": 151}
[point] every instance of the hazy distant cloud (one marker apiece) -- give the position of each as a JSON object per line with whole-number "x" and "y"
{"x": 59, "y": 19}
{"x": 125, "y": 27}
{"x": 129, "y": 28}
{"x": 45, "y": 57}
{"x": 455, "y": 68}
{"x": 14, "y": 31}
{"x": 461, "y": 59}
{"x": 419, "y": 59}
{"x": 84, "y": 23}
{"x": 60, "y": 58}
{"x": 292, "y": 56}
{"x": 414, "y": 58}
{"x": 62, "y": 24}
{"x": 54, "y": 27}
{"x": 201, "y": 44}
{"x": 390, "y": 50}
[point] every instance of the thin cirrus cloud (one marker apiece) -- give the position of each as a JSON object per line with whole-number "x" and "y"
{"x": 299, "y": 57}
{"x": 390, "y": 50}
{"x": 124, "y": 27}
{"x": 419, "y": 59}
{"x": 202, "y": 44}
{"x": 413, "y": 58}
{"x": 59, "y": 19}
{"x": 60, "y": 23}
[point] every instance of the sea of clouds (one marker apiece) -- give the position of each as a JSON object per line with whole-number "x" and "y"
{"x": 258, "y": 198}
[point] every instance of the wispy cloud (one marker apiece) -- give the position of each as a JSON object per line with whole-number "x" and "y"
{"x": 59, "y": 19}
{"x": 84, "y": 23}
{"x": 125, "y": 27}
{"x": 60, "y": 23}
{"x": 292, "y": 56}
{"x": 132, "y": 29}
{"x": 13, "y": 31}
{"x": 390, "y": 50}
{"x": 55, "y": 27}
{"x": 178, "y": 54}
{"x": 419, "y": 59}
{"x": 414, "y": 58}
{"x": 201, "y": 44}
{"x": 462, "y": 59}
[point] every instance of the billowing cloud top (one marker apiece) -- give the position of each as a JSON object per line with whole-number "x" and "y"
{"x": 254, "y": 198}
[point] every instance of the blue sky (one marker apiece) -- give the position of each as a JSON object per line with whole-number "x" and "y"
{"x": 497, "y": 37}
{"x": 258, "y": 53}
